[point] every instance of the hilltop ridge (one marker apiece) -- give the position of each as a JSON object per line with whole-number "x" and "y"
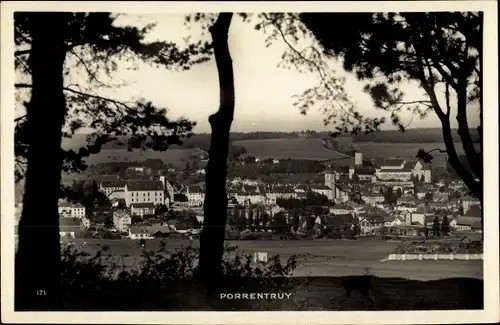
{"x": 202, "y": 140}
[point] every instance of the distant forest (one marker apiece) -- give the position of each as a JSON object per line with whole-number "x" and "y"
{"x": 202, "y": 140}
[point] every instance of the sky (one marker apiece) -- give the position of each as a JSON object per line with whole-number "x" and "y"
{"x": 264, "y": 91}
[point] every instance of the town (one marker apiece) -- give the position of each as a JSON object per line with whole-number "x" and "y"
{"x": 390, "y": 198}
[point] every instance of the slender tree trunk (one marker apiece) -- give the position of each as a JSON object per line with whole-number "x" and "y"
{"x": 215, "y": 205}
{"x": 474, "y": 186}
{"x": 481, "y": 101}
{"x": 463, "y": 130}
{"x": 37, "y": 271}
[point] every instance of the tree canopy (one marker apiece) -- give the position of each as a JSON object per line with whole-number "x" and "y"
{"x": 94, "y": 44}
{"x": 441, "y": 51}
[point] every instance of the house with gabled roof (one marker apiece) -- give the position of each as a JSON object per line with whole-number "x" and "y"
{"x": 121, "y": 220}
{"x": 142, "y": 209}
{"x": 195, "y": 195}
{"x": 145, "y": 231}
{"x": 468, "y": 224}
{"x": 339, "y": 209}
{"x": 333, "y": 223}
{"x": 371, "y": 224}
{"x": 372, "y": 198}
{"x": 110, "y": 186}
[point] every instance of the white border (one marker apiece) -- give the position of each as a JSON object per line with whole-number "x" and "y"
{"x": 490, "y": 127}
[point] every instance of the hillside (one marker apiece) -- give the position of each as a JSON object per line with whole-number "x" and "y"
{"x": 411, "y": 136}
{"x": 202, "y": 140}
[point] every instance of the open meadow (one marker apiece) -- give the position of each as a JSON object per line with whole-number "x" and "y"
{"x": 282, "y": 149}
{"x": 288, "y": 148}
{"x": 313, "y": 149}
{"x": 316, "y": 283}
{"x": 316, "y": 258}
{"x": 176, "y": 157}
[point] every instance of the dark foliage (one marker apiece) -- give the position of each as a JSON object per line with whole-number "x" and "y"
{"x": 439, "y": 50}
{"x": 94, "y": 45}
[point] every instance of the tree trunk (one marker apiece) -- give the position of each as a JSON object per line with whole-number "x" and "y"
{"x": 215, "y": 205}
{"x": 481, "y": 101}
{"x": 474, "y": 186}
{"x": 37, "y": 271}
{"x": 463, "y": 131}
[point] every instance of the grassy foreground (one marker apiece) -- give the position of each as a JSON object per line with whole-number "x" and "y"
{"x": 307, "y": 294}
{"x": 166, "y": 281}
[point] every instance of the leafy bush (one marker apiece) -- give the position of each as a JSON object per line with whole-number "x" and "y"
{"x": 412, "y": 247}
{"x": 160, "y": 280}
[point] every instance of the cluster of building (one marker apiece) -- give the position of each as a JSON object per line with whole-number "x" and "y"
{"x": 356, "y": 198}
{"x": 134, "y": 197}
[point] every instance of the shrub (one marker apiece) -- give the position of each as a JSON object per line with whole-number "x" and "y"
{"x": 160, "y": 280}
{"x": 423, "y": 247}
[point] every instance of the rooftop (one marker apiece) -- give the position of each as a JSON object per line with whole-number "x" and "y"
{"x": 319, "y": 187}
{"x": 69, "y": 224}
{"x": 407, "y": 167}
{"x": 195, "y": 189}
{"x": 70, "y": 205}
{"x": 340, "y": 207}
{"x": 147, "y": 229}
{"x": 144, "y": 186}
{"x": 113, "y": 183}
{"x": 393, "y": 162}
{"x": 148, "y": 205}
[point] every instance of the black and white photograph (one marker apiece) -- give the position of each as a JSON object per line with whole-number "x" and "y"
{"x": 248, "y": 158}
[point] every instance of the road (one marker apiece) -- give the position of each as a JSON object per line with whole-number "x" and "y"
{"x": 316, "y": 258}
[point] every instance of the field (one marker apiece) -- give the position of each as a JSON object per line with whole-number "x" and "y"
{"x": 283, "y": 149}
{"x": 288, "y": 148}
{"x": 316, "y": 258}
{"x": 313, "y": 149}
{"x": 176, "y": 157}
{"x": 316, "y": 284}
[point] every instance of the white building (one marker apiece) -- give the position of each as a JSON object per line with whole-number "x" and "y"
{"x": 406, "y": 207}
{"x": 393, "y": 221}
{"x": 402, "y": 170}
{"x": 372, "y": 199}
{"x": 419, "y": 170}
{"x": 142, "y": 209}
{"x": 278, "y": 192}
{"x": 70, "y": 210}
{"x": 144, "y": 192}
{"x": 370, "y": 225}
{"x": 141, "y": 232}
{"x": 419, "y": 215}
{"x": 121, "y": 220}
{"x": 117, "y": 195}
{"x": 340, "y": 209}
{"x": 109, "y": 187}
{"x": 195, "y": 196}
